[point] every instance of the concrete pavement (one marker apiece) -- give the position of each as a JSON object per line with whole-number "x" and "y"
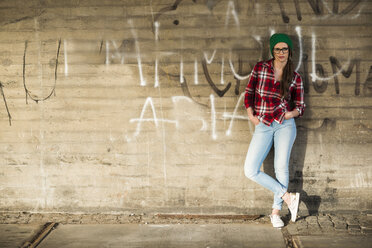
{"x": 159, "y": 236}
{"x": 341, "y": 231}
{"x": 14, "y": 235}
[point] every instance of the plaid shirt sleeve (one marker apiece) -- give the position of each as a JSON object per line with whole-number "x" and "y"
{"x": 250, "y": 89}
{"x": 297, "y": 94}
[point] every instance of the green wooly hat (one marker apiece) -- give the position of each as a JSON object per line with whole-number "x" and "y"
{"x": 276, "y": 38}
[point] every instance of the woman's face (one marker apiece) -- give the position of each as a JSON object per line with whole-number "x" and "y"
{"x": 281, "y": 52}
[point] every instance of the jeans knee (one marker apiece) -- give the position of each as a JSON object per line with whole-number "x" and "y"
{"x": 249, "y": 173}
{"x": 282, "y": 171}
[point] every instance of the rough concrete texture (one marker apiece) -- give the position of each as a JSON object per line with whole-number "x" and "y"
{"x": 135, "y": 106}
{"x": 229, "y": 236}
{"x": 308, "y": 231}
{"x": 15, "y": 235}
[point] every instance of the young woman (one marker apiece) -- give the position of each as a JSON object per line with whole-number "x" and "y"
{"x": 274, "y": 96}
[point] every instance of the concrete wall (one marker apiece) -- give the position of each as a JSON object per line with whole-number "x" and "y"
{"x": 115, "y": 106}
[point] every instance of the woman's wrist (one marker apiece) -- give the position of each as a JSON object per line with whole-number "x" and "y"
{"x": 291, "y": 114}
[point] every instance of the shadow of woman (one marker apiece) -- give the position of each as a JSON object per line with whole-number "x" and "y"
{"x": 296, "y": 166}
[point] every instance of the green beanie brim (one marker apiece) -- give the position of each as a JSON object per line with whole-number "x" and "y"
{"x": 279, "y": 37}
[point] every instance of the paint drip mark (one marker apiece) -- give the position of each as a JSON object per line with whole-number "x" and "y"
{"x": 282, "y": 10}
{"x": 6, "y": 105}
{"x": 164, "y": 10}
{"x": 367, "y": 88}
{"x": 100, "y": 47}
{"x": 28, "y": 93}
{"x": 298, "y": 10}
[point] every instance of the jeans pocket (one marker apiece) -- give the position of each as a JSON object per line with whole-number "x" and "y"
{"x": 290, "y": 122}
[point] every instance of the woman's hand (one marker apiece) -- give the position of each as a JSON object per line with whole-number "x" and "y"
{"x": 288, "y": 115}
{"x": 291, "y": 114}
{"x": 252, "y": 117}
{"x": 254, "y": 120}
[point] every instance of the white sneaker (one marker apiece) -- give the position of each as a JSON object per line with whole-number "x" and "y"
{"x": 293, "y": 208}
{"x": 276, "y": 220}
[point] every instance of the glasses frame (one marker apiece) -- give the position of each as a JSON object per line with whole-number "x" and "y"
{"x": 278, "y": 50}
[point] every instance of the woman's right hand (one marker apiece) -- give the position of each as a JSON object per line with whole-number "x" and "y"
{"x": 254, "y": 120}
{"x": 252, "y": 117}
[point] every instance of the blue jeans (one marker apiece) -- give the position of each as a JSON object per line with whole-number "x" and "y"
{"x": 283, "y": 136}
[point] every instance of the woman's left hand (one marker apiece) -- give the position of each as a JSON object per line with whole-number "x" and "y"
{"x": 288, "y": 115}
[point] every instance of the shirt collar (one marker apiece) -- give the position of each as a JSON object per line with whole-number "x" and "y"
{"x": 269, "y": 64}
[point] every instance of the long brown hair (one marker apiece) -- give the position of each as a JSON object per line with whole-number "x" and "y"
{"x": 287, "y": 76}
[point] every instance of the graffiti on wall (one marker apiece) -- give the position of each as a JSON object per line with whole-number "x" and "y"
{"x": 314, "y": 74}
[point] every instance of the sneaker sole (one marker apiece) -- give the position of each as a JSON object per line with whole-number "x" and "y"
{"x": 294, "y": 215}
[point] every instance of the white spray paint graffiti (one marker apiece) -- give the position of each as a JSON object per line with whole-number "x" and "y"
{"x": 272, "y": 31}
{"x": 331, "y": 14}
{"x": 222, "y": 67}
{"x": 196, "y": 78}
{"x": 213, "y": 117}
{"x": 359, "y": 11}
{"x": 176, "y": 99}
{"x": 143, "y": 82}
{"x": 107, "y": 62}
{"x": 235, "y": 116}
{"x": 154, "y": 119}
{"x": 231, "y": 11}
{"x": 117, "y": 53}
{"x": 65, "y": 53}
{"x": 181, "y": 70}
{"x": 236, "y": 75}
{"x": 313, "y": 74}
{"x": 157, "y": 25}
{"x": 361, "y": 180}
{"x": 298, "y": 31}
{"x": 209, "y": 61}
{"x": 259, "y": 41}
{"x": 156, "y": 84}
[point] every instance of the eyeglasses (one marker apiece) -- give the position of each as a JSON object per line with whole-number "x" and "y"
{"x": 278, "y": 50}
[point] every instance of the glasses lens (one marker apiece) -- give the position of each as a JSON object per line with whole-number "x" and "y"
{"x": 278, "y": 50}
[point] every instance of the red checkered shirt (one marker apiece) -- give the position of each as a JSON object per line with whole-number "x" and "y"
{"x": 263, "y": 94}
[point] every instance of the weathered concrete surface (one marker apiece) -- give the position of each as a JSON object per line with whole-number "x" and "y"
{"x": 15, "y": 235}
{"x": 111, "y": 110}
{"x": 334, "y": 242}
{"x": 159, "y": 236}
{"x": 312, "y": 231}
